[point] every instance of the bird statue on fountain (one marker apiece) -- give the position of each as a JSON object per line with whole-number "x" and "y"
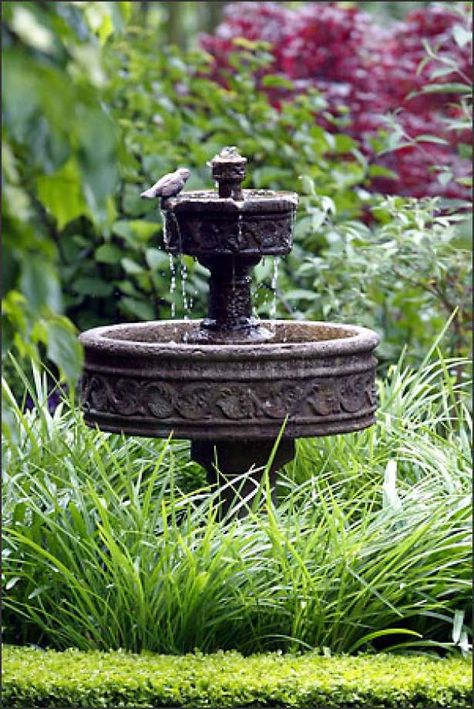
{"x": 167, "y": 186}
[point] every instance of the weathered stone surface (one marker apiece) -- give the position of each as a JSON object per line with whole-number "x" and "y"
{"x": 319, "y": 375}
{"x": 230, "y": 382}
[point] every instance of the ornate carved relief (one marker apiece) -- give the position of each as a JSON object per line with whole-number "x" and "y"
{"x": 239, "y": 233}
{"x": 216, "y": 401}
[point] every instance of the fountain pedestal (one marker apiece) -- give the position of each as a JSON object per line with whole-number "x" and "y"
{"x": 229, "y": 319}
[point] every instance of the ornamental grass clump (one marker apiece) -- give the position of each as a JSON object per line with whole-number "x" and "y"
{"x": 114, "y": 542}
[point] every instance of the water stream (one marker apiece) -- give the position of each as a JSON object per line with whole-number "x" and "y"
{"x": 274, "y": 283}
{"x": 165, "y": 230}
{"x": 172, "y": 285}
{"x": 184, "y": 279}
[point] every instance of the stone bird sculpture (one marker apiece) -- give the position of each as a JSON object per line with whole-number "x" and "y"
{"x": 167, "y": 186}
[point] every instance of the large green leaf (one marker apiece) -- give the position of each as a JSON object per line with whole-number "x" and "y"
{"x": 63, "y": 348}
{"x": 40, "y": 284}
{"x": 61, "y": 194}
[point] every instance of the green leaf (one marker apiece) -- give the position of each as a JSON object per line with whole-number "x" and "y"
{"x": 457, "y": 625}
{"x": 108, "y": 253}
{"x": 93, "y": 286}
{"x": 156, "y": 259}
{"x": 39, "y": 283}
{"x": 381, "y": 171}
{"x": 61, "y": 194}
{"x": 445, "y": 177}
{"x": 461, "y": 35}
{"x": 274, "y": 81}
{"x": 343, "y": 143}
{"x": 301, "y": 294}
{"x": 441, "y": 71}
{"x": 131, "y": 266}
{"x": 63, "y": 348}
{"x": 137, "y": 308}
{"x": 11, "y": 582}
{"x": 26, "y": 25}
{"x": 136, "y": 230}
{"x": 97, "y": 138}
{"x": 451, "y": 88}
{"x": 307, "y": 184}
{"x": 426, "y": 138}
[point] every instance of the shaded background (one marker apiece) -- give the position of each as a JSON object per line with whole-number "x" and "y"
{"x": 100, "y": 99}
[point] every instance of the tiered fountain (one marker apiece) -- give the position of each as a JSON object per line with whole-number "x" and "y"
{"x": 229, "y": 382}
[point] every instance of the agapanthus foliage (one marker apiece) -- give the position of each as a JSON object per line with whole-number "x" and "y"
{"x": 407, "y": 82}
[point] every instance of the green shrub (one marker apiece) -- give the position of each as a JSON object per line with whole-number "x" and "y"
{"x": 35, "y": 678}
{"x": 402, "y": 276}
{"x": 112, "y": 542}
{"x": 60, "y": 162}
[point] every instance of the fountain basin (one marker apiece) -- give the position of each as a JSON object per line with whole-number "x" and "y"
{"x": 147, "y": 379}
{"x": 201, "y": 224}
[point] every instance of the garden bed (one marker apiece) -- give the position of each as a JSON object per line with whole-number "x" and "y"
{"x": 38, "y": 678}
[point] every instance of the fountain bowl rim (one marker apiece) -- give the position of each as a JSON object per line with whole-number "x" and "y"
{"x": 358, "y": 339}
{"x": 252, "y": 199}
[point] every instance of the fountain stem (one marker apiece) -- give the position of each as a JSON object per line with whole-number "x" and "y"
{"x": 230, "y": 304}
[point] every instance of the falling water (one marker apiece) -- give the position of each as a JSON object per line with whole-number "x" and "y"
{"x": 184, "y": 279}
{"x": 239, "y": 228}
{"x": 172, "y": 285}
{"x": 273, "y": 305}
{"x": 165, "y": 231}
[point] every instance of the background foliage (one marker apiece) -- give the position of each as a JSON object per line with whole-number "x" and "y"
{"x": 369, "y": 72}
{"x": 97, "y": 105}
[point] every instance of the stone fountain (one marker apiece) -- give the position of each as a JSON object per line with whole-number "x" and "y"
{"x": 230, "y": 382}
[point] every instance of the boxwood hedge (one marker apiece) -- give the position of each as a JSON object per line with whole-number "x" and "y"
{"x": 45, "y": 678}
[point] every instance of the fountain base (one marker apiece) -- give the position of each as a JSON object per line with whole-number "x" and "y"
{"x": 227, "y": 463}
{"x": 248, "y": 333}
{"x": 237, "y": 457}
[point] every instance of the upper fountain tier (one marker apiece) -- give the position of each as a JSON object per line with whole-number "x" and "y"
{"x": 229, "y": 231}
{"x": 230, "y": 221}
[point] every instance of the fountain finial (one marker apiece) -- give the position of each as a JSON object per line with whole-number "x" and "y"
{"x": 228, "y": 170}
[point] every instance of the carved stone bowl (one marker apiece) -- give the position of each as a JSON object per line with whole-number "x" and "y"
{"x": 201, "y": 224}
{"x": 145, "y": 379}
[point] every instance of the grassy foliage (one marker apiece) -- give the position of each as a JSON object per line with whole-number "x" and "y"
{"x": 50, "y": 679}
{"x": 114, "y": 543}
